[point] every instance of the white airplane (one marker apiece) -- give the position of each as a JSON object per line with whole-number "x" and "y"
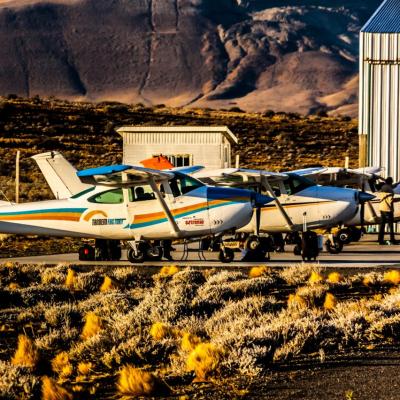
{"x": 299, "y": 204}
{"x": 137, "y": 205}
{"x": 366, "y": 179}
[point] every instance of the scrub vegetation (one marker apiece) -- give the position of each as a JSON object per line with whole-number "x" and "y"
{"x": 124, "y": 332}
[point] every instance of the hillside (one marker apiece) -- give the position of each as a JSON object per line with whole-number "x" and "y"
{"x": 296, "y": 56}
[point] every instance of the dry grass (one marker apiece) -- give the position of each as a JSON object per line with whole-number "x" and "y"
{"x": 330, "y": 302}
{"x": 204, "y": 360}
{"x": 392, "y": 277}
{"x": 26, "y": 354}
{"x": 108, "y": 284}
{"x": 315, "y": 278}
{"x": 168, "y": 270}
{"x": 70, "y": 280}
{"x": 256, "y": 272}
{"x": 135, "y": 382}
{"x": 334, "y": 278}
{"x": 52, "y": 391}
{"x": 180, "y": 324}
{"x": 159, "y": 331}
{"x": 93, "y": 326}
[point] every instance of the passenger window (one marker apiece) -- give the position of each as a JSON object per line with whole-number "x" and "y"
{"x": 141, "y": 193}
{"x": 114, "y": 196}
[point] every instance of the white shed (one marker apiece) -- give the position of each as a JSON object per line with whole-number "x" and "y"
{"x": 379, "y": 112}
{"x": 182, "y": 145}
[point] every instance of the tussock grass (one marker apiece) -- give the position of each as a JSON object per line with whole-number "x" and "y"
{"x": 256, "y": 272}
{"x": 108, "y": 284}
{"x": 84, "y": 368}
{"x": 335, "y": 277}
{"x": 53, "y": 391}
{"x": 71, "y": 280}
{"x": 189, "y": 341}
{"x": 159, "y": 331}
{"x": 392, "y": 277}
{"x": 315, "y": 278}
{"x": 26, "y": 354}
{"x": 330, "y": 302}
{"x": 135, "y": 382}
{"x": 93, "y": 325}
{"x": 168, "y": 270}
{"x": 204, "y": 360}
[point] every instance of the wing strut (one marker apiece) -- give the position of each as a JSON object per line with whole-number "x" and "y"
{"x": 160, "y": 198}
{"x": 284, "y": 214}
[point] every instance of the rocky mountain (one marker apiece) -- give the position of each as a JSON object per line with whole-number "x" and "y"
{"x": 295, "y": 55}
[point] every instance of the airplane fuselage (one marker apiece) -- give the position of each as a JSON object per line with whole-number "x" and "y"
{"x": 111, "y": 213}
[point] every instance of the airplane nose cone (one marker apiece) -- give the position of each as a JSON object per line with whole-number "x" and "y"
{"x": 259, "y": 200}
{"x": 363, "y": 197}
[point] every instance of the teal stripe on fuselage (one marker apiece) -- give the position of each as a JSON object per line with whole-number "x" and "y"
{"x": 49, "y": 210}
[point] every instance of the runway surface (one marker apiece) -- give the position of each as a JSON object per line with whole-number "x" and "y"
{"x": 366, "y": 253}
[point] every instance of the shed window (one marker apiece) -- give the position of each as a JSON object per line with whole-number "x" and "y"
{"x": 178, "y": 160}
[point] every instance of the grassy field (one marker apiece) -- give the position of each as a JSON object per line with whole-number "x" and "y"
{"x": 71, "y": 333}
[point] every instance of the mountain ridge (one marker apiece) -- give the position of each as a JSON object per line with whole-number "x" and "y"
{"x": 255, "y": 54}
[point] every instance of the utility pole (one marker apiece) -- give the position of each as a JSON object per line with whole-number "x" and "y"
{"x": 17, "y": 177}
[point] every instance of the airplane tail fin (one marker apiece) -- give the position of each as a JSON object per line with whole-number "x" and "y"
{"x": 59, "y": 174}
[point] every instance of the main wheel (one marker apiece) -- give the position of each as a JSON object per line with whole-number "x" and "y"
{"x": 252, "y": 243}
{"x": 334, "y": 248}
{"x": 136, "y": 258}
{"x": 154, "y": 253}
{"x": 226, "y": 255}
{"x": 297, "y": 250}
{"x": 345, "y": 236}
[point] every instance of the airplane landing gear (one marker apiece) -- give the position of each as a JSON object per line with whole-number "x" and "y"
{"x": 103, "y": 250}
{"x": 143, "y": 251}
{"x": 333, "y": 246}
{"x": 226, "y": 255}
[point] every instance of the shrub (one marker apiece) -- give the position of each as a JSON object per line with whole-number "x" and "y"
{"x": 315, "y": 277}
{"x": 59, "y": 362}
{"x": 84, "y": 368}
{"x": 189, "y": 341}
{"x": 159, "y": 331}
{"x": 168, "y": 270}
{"x": 70, "y": 280}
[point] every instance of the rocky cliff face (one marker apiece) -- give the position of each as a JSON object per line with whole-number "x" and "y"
{"x": 255, "y": 54}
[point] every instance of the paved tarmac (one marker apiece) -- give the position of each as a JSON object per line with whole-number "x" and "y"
{"x": 366, "y": 253}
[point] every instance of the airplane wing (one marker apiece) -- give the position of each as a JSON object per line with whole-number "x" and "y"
{"x": 186, "y": 170}
{"x": 226, "y": 173}
{"x": 122, "y": 175}
{"x": 307, "y": 172}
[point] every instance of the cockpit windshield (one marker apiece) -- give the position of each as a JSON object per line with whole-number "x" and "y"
{"x": 296, "y": 183}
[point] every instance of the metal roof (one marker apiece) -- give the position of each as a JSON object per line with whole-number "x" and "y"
{"x": 180, "y": 129}
{"x": 386, "y": 18}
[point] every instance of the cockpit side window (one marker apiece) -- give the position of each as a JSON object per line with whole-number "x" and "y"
{"x": 297, "y": 183}
{"x": 141, "y": 193}
{"x": 114, "y": 196}
{"x": 183, "y": 184}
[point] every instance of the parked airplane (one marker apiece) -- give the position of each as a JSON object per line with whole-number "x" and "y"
{"x": 366, "y": 179}
{"x": 138, "y": 205}
{"x": 298, "y": 201}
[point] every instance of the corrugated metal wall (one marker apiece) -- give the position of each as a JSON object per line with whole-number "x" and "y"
{"x": 380, "y": 99}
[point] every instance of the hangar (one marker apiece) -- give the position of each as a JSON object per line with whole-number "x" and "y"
{"x": 379, "y": 100}
{"x": 182, "y": 145}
